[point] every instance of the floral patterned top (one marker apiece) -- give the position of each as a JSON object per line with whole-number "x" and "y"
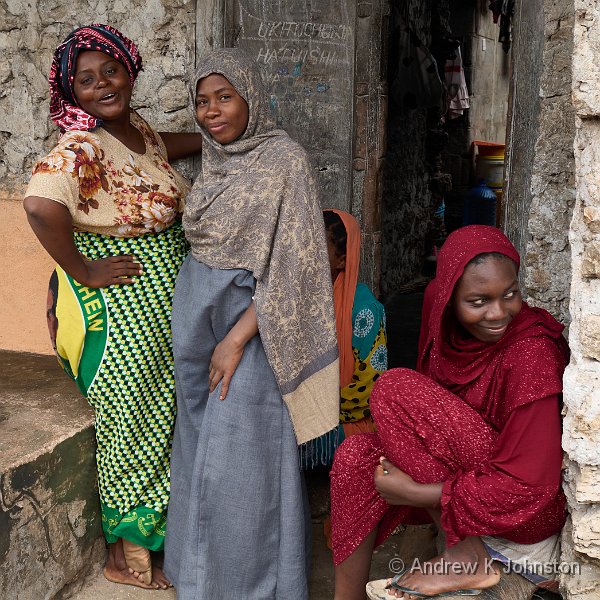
{"x": 109, "y": 189}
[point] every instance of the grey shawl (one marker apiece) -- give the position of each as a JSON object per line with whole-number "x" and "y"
{"x": 255, "y": 206}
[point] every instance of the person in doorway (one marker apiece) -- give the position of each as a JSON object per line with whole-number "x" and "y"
{"x": 106, "y": 205}
{"x": 471, "y": 440}
{"x": 360, "y": 324}
{"x": 256, "y": 357}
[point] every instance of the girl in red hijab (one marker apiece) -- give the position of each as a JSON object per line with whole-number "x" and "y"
{"x": 470, "y": 441}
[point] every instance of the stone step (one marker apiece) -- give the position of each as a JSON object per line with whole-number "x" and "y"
{"x": 49, "y": 511}
{"x": 97, "y": 587}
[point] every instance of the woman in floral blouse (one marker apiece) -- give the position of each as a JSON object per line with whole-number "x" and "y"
{"x": 106, "y": 205}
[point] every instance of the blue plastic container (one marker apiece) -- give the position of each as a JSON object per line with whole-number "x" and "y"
{"x": 480, "y": 205}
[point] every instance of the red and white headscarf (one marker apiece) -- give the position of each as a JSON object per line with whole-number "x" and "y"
{"x": 64, "y": 108}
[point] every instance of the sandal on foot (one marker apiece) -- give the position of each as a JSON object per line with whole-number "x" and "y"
{"x": 138, "y": 559}
{"x": 378, "y": 589}
{"x": 416, "y": 594}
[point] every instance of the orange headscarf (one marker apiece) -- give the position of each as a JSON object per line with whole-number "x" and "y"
{"x": 344, "y": 289}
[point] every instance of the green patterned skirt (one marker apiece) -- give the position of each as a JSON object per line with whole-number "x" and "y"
{"x": 115, "y": 342}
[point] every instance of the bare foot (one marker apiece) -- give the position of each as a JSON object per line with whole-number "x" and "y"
{"x": 158, "y": 577}
{"x": 138, "y": 560}
{"x": 465, "y": 565}
{"x": 116, "y": 569}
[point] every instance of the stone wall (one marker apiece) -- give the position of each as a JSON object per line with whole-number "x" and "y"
{"x": 548, "y": 254}
{"x": 523, "y": 120}
{"x": 540, "y": 167}
{"x": 29, "y": 32}
{"x": 581, "y": 439}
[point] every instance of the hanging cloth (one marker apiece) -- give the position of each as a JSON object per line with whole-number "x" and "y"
{"x": 458, "y": 94}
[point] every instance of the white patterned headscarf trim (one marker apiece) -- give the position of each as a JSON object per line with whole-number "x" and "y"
{"x": 255, "y": 206}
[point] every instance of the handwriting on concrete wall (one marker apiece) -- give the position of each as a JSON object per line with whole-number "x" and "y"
{"x": 289, "y": 29}
{"x": 306, "y": 53}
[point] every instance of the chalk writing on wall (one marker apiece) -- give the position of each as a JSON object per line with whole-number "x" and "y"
{"x": 305, "y": 51}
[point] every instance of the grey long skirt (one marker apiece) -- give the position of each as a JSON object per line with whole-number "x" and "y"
{"x": 238, "y": 521}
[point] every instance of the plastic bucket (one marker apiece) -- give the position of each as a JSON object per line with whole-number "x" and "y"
{"x": 489, "y": 163}
{"x": 491, "y": 170}
{"x": 480, "y": 205}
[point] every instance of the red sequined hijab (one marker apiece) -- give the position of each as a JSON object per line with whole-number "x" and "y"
{"x": 456, "y": 360}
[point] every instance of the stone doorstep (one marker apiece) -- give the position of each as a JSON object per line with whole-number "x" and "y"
{"x": 49, "y": 511}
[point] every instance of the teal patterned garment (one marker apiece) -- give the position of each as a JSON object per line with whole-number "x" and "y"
{"x": 370, "y": 360}
{"x": 369, "y": 344}
{"x": 368, "y": 318}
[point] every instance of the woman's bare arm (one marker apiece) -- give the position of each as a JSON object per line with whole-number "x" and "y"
{"x": 229, "y": 350}
{"x": 52, "y": 224}
{"x": 180, "y": 145}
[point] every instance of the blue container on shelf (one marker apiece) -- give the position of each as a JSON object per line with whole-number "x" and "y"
{"x": 480, "y": 205}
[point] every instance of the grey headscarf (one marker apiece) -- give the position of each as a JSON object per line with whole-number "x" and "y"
{"x": 255, "y": 206}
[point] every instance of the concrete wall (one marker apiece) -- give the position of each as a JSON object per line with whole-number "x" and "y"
{"x": 29, "y": 32}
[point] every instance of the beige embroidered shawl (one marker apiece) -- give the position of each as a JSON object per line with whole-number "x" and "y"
{"x": 255, "y": 206}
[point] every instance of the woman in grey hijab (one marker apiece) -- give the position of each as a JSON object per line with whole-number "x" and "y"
{"x": 255, "y": 349}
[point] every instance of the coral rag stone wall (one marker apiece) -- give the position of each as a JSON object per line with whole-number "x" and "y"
{"x": 29, "y": 31}
{"x": 581, "y": 438}
{"x": 540, "y": 184}
{"x": 548, "y": 254}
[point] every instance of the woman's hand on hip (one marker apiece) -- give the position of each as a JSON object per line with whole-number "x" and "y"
{"x": 223, "y": 363}
{"x": 113, "y": 270}
{"x": 53, "y": 226}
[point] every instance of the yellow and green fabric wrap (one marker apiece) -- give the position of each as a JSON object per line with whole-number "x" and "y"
{"x": 115, "y": 342}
